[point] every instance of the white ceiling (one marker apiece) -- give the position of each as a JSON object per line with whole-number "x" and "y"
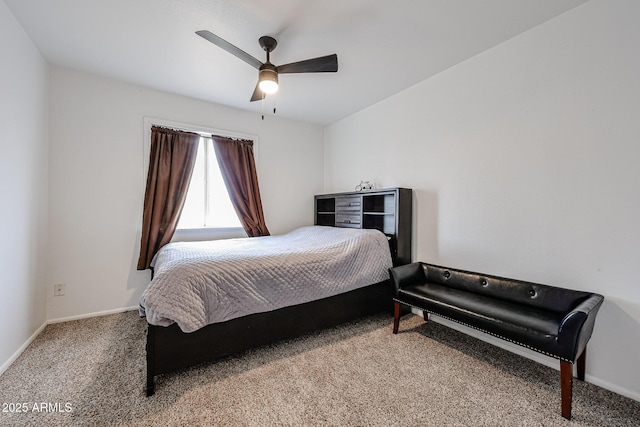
{"x": 383, "y": 46}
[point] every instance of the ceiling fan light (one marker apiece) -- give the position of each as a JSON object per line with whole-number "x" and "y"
{"x": 268, "y": 81}
{"x": 268, "y": 86}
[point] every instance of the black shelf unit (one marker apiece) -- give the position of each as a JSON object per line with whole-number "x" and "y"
{"x": 388, "y": 210}
{"x": 325, "y": 212}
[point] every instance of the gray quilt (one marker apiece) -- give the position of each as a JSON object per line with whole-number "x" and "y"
{"x": 199, "y": 283}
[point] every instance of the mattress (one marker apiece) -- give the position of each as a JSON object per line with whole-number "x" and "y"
{"x": 200, "y": 283}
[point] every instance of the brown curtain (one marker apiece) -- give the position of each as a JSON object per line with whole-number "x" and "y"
{"x": 171, "y": 160}
{"x": 238, "y": 167}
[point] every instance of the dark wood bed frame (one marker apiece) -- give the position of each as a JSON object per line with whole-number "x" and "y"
{"x": 169, "y": 349}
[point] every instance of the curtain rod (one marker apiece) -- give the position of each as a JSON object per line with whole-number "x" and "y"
{"x": 229, "y": 137}
{"x": 202, "y": 134}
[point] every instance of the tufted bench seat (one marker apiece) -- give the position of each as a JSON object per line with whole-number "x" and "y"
{"x": 554, "y": 321}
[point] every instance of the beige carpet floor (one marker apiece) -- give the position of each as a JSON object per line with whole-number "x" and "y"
{"x": 92, "y": 372}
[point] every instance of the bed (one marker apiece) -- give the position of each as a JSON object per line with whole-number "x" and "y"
{"x": 208, "y": 300}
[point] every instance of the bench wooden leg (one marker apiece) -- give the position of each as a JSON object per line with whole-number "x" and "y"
{"x": 566, "y": 381}
{"x": 582, "y": 364}
{"x": 396, "y": 316}
{"x": 566, "y": 387}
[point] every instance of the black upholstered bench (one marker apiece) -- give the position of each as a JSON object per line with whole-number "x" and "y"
{"x": 554, "y": 321}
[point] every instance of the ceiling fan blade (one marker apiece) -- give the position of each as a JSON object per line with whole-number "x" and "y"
{"x": 323, "y": 64}
{"x": 257, "y": 93}
{"x": 239, "y": 53}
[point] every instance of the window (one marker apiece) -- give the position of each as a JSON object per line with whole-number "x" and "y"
{"x": 207, "y": 204}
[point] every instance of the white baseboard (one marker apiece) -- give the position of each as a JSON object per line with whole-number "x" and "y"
{"x": 505, "y": 345}
{"x": 22, "y": 348}
{"x": 529, "y": 354}
{"x": 612, "y": 387}
{"x": 33, "y": 336}
{"x": 88, "y": 315}
{"x": 545, "y": 360}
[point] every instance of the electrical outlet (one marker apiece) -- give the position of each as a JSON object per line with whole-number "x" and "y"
{"x": 58, "y": 290}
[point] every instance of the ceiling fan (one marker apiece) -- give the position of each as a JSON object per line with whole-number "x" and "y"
{"x": 268, "y": 73}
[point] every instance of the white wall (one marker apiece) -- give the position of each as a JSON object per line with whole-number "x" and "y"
{"x": 97, "y": 181}
{"x": 524, "y": 161}
{"x": 24, "y": 94}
